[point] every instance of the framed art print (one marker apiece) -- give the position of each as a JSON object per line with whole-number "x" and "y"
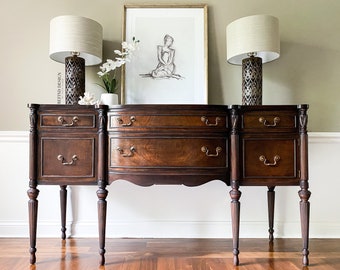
{"x": 170, "y": 66}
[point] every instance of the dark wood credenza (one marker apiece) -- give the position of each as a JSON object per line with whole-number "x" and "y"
{"x": 169, "y": 144}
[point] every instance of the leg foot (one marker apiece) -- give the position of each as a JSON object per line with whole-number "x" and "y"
{"x": 235, "y": 195}
{"x": 32, "y": 255}
{"x": 304, "y": 195}
{"x": 102, "y": 256}
{"x": 236, "y": 259}
{"x": 33, "y": 216}
{"x": 305, "y": 259}
{"x": 102, "y": 208}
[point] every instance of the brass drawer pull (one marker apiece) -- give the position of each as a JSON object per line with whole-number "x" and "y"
{"x": 62, "y": 159}
{"x": 276, "y": 121}
{"x": 265, "y": 162}
{"x": 130, "y": 154}
{"x": 73, "y": 122}
{"x": 206, "y": 121}
{"x": 121, "y": 122}
{"x": 205, "y": 150}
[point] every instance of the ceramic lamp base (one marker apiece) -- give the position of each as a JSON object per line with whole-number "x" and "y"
{"x": 74, "y": 79}
{"x": 252, "y": 81}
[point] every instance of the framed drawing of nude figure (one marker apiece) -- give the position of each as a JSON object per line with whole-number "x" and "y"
{"x": 170, "y": 66}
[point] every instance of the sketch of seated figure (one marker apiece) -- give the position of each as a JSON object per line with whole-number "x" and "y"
{"x": 165, "y": 55}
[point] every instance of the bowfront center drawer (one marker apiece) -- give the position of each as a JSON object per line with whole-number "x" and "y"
{"x": 69, "y": 120}
{"x": 168, "y": 152}
{"x": 269, "y": 121}
{"x": 168, "y": 144}
{"x": 165, "y": 121}
{"x": 67, "y": 158}
{"x": 169, "y": 117}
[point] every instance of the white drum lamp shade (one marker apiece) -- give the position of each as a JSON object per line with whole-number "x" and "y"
{"x": 251, "y": 41}
{"x": 76, "y": 34}
{"x": 76, "y": 41}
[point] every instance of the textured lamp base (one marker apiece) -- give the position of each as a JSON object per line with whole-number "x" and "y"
{"x": 252, "y": 81}
{"x": 74, "y": 79}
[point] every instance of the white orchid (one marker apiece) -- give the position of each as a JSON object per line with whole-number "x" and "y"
{"x": 125, "y": 55}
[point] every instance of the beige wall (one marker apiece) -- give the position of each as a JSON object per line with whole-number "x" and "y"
{"x": 307, "y": 71}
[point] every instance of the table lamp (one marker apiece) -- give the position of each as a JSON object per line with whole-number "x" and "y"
{"x": 75, "y": 41}
{"x": 251, "y": 41}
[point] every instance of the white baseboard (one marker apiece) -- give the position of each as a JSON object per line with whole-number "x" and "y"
{"x": 205, "y": 230}
{"x": 163, "y": 229}
{"x": 21, "y": 229}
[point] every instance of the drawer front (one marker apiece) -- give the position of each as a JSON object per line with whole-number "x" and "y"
{"x": 269, "y": 158}
{"x": 167, "y": 121}
{"x": 168, "y": 152}
{"x": 68, "y": 120}
{"x": 266, "y": 121}
{"x": 67, "y": 157}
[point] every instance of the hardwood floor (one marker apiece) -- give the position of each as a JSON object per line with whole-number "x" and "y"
{"x": 168, "y": 254}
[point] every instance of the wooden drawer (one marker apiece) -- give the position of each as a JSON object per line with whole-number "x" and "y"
{"x": 269, "y": 158}
{"x": 67, "y": 120}
{"x": 168, "y": 152}
{"x": 166, "y": 121}
{"x": 67, "y": 158}
{"x": 170, "y": 117}
{"x": 269, "y": 121}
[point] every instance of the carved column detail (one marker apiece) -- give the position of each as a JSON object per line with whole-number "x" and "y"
{"x": 303, "y": 119}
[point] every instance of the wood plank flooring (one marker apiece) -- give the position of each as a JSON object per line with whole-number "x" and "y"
{"x": 168, "y": 254}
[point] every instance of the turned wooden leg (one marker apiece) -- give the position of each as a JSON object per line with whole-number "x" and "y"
{"x": 271, "y": 206}
{"x": 63, "y": 204}
{"x": 33, "y": 216}
{"x": 102, "y": 205}
{"x": 235, "y": 195}
{"x": 304, "y": 195}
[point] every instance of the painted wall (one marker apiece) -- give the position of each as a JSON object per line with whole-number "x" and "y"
{"x": 307, "y": 71}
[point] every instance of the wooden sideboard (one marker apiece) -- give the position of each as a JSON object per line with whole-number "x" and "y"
{"x": 169, "y": 144}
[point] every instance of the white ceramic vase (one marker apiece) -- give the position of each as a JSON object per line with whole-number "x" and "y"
{"x": 109, "y": 99}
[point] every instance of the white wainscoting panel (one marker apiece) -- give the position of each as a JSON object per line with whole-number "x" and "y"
{"x": 170, "y": 211}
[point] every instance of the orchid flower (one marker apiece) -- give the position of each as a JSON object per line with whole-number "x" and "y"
{"x": 108, "y": 70}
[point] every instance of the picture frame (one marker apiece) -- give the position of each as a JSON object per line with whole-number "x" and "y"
{"x": 171, "y": 64}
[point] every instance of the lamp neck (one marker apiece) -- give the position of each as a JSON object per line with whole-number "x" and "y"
{"x": 252, "y": 54}
{"x": 75, "y": 53}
